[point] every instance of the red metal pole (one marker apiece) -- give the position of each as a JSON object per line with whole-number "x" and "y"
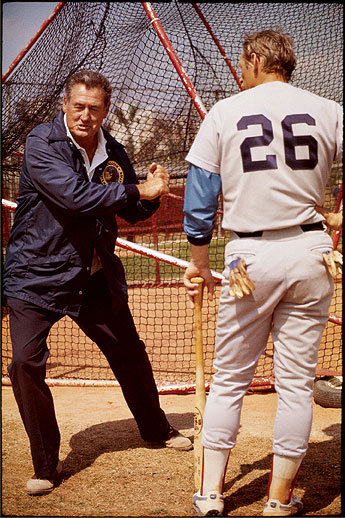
{"x": 32, "y": 41}
{"x": 175, "y": 60}
{"x": 222, "y": 51}
{"x": 335, "y": 319}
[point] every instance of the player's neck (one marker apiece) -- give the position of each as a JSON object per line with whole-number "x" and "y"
{"x": 269, "y": 78}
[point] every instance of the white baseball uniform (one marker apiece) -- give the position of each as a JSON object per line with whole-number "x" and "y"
{"x": 273, "y": 147}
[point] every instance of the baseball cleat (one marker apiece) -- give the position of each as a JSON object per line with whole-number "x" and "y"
{"x": 177, "y": 441}
{"x": 210, "y": 505}
{"x": 274, "y": 508}
{"x": 42, "y": 486}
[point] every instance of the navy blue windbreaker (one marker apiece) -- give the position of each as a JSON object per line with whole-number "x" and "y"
{"x": 61, "y": 217}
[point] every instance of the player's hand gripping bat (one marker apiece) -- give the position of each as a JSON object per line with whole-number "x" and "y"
{"x": 200, "y": 391}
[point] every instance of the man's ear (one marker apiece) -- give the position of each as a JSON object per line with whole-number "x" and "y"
{"x": 64, "y": 104}
{"x": 106, "y": 109}
{"x": 255, "y": 60}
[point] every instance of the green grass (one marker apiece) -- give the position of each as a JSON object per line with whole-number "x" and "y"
{"x": 140, "y": 268}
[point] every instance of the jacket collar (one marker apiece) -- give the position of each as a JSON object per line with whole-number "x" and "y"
{"x": 58, "y": 130}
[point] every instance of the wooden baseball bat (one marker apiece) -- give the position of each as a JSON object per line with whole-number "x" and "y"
{"x": 200, "y": 392}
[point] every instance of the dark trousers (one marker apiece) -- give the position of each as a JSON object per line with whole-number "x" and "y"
{"x": 116, "y": 336}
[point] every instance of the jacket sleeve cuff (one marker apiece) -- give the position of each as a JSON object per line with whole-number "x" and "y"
{"x": 151, "y": 204}
{"x": 200, "y": 241}
{"x": 132, "y": 192}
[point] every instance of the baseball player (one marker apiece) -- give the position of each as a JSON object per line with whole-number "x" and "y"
{"x": 269, "y": 149}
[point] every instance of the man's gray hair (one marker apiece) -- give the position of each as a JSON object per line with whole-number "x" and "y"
{"x": 91, "y": 80}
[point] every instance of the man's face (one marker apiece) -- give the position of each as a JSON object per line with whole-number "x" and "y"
{"x": 85, "y": 111}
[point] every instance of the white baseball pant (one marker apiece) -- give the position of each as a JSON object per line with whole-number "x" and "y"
{"x": 291, "y": 301}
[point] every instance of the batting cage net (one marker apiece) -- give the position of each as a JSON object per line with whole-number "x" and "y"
{"x": 153, "y": 115}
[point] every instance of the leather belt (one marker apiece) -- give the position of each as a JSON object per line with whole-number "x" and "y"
{"x": 305, "y": 228}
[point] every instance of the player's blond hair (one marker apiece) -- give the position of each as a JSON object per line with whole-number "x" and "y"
{"x": 90, "y": 79}
{"x": 276, "y": 49}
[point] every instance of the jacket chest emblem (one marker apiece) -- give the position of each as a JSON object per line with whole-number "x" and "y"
{"x": 112, "y": 173}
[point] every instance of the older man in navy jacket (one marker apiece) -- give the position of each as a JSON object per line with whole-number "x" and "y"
{"x": 60, "y": 261}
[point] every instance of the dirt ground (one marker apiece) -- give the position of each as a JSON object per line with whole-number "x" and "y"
{"x": 110, "y": 471}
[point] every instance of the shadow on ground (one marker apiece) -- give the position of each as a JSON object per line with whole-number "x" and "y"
{"x": 123, "y": 435}
{"x": 318, "y": 478}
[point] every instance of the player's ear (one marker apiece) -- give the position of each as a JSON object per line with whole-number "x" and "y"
{"x": 255, "y": 61}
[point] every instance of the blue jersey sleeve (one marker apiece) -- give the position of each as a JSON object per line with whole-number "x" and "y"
{"x": 200, "y": 204}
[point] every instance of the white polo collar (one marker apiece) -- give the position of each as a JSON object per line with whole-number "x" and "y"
{"x": 100, "y": 154}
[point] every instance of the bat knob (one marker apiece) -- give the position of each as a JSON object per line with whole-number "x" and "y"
{"x": 197, "y": 280}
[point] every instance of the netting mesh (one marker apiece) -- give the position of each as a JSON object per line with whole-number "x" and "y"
{"x": 153, "y": 116}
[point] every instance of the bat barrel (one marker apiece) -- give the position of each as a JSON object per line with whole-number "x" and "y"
{"x": 200, "y": 392}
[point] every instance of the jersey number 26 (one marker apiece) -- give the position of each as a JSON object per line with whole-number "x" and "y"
{"x": 291, "y": 141}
